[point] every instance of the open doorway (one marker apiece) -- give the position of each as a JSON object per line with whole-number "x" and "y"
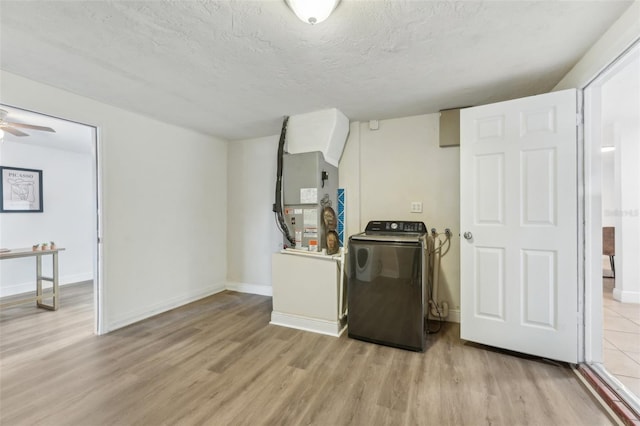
{"x": 612, "y": 215}
{"x": 67, "y": 159}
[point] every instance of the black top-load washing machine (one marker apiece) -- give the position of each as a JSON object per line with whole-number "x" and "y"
{"x": 386, "y": 284}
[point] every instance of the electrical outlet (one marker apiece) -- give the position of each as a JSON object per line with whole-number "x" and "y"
{"x": 416, "y": 207}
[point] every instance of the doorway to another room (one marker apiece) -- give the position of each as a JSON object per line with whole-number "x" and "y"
{"x": 66, "y": 159}
{"x": 612, "y": 216}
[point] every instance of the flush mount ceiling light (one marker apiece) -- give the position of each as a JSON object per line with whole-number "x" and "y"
{"x": 607, "y": 148}
{"x": 312, "y": 11}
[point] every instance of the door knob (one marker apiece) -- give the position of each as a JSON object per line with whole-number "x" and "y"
{"x": 468, "y": 235}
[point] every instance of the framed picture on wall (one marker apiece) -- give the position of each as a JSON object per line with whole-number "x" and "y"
{"x": 21, "y": 190}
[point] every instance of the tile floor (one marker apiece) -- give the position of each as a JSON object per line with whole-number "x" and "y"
{"x": 621, "y": 336}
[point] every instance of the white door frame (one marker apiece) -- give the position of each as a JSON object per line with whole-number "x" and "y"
{"x": 592, "y": 228}
{"x": 98, "y": 268}
{"x": 98, "y": 264}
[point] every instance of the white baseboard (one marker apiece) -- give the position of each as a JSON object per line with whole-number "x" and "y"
{"x": 454, "y": 316}
{"x": 626, "y": 296}
{"x": 263, "y": 290}
{"x": 76, "y": 278}
{"x": 167, "y": 305}
{"x": 30, "y": 286}
{"x": 330, "y": 328}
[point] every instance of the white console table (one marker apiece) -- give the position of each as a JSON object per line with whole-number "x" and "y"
{"x": 55, "y": 295}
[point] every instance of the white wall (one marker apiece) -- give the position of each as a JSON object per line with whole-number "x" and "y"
{"x": 252, "y": 233}
{"x": 67, "y": 219}
{"x": 349, "y": 179}
{"x": 384, "y": 170}
{"x": 164, "y": 191}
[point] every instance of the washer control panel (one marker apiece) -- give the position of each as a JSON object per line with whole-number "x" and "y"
{"x": 395, "y": 226}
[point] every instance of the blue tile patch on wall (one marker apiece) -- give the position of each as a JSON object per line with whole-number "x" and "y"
{"x": 341, "y": 216}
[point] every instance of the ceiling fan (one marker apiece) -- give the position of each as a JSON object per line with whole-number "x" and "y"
{"x": 10, "y": 127}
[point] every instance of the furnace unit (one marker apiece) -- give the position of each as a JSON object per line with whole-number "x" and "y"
{"x": 310, "y": 184}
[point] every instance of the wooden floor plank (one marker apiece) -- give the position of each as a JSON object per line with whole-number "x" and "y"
{"x": 218, "y": 361}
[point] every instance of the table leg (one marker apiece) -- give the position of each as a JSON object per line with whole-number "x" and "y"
{"x": 38, "y": 280}
{"x": 55, "y": 281}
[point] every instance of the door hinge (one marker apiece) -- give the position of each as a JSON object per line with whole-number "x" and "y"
{"x": 579, "y": 119}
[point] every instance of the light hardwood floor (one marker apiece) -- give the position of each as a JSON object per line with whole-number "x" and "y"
{"x": 219, "y": 362}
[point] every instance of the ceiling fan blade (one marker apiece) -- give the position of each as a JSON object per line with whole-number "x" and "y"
{"x": 14, "y": 132}
{"x": 31, "y": 126}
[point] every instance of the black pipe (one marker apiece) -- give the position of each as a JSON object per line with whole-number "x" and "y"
{"x": 282, "y": 224}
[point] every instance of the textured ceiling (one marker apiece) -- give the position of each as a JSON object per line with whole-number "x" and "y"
{"x": 233, "y": 69}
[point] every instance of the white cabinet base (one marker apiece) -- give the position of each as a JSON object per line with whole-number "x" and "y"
{"x": 306, "y": 292}
{"x": 331, "y": 328}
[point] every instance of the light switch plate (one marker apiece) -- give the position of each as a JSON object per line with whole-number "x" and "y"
{"x": 416, "y": 207}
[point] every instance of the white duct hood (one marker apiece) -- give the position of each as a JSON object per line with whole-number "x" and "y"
{"x": 325, "y": 131}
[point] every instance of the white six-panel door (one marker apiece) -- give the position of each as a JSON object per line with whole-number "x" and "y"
{"x": 518, "y": 189}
